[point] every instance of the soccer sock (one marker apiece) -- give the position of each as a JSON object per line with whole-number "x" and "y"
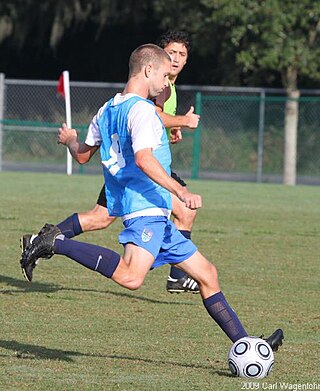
{"x": 174, "y": 272}
{"x": 96, "y": 258}
{"x": 70, "y": 227}
{"x": 219, "y": 310}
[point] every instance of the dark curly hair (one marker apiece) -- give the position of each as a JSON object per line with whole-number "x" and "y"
{"x": 174, "y": 36}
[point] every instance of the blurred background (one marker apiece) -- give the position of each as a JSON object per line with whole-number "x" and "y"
{"x": 252, "y": 73}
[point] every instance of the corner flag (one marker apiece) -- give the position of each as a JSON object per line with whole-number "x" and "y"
{"x": 64, "y": 90}
{"x": 60, "y": 88}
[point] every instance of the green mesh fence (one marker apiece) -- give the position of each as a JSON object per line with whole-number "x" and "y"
{"x": 31, "y": 145}
{"x": 233, "y": 131}
{"x": 239, "y": 137}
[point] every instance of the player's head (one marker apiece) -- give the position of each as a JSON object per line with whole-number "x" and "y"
{"x": 177, "y": 45}
{"x": 153, "y": 64}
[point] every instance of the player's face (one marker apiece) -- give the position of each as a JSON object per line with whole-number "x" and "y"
{"x": 159, "y": 79}
{"x": 179, "y": 55}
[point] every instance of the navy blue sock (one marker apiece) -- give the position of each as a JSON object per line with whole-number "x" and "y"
{"x": 219, "y": 310}
{"x": 174, "y": 272}
{"x": 70, "y": 227}
{"x": 96, "y": 258}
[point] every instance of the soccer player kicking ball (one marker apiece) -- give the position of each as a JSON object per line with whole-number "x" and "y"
{"x": 177, "y": 45}
{"x": 136, "y": 160}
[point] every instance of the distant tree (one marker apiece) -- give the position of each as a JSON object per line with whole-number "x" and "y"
{"x": 47, "y": 21}
{"x": 280, "y": 36}
{"x": 39, "y": 37}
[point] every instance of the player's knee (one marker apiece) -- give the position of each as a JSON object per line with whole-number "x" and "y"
{"x": 100, "y": 218}
{"x": 132, "y": 282}
{"x": 185, "y": 217}
{"x": 209, "y": 277}
{"x": 106, "y": 221}
{"x": 191, "y": 216}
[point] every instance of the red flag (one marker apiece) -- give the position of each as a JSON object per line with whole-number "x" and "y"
{"x": 60, "y": 88}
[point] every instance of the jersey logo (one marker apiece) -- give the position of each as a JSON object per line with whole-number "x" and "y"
{"x": 146, "y": 235}
{"x": 116, "y": 160}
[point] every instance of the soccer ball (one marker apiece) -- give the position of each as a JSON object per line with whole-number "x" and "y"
{"x": 251, "y": 357}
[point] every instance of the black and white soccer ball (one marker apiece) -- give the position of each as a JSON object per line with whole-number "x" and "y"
{"x": 251, "y": 357}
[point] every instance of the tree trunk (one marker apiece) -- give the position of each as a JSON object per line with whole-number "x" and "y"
{"x": 290, "y": 138}
{"x": 291, "y": 128}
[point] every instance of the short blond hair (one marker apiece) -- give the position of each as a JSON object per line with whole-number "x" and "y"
{"x": 144, "y": 55}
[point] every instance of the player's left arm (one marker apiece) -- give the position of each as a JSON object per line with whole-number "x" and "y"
{"x": 146, "y": 161}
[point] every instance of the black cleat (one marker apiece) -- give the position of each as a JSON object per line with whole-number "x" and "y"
{"x": 275, "y": 339}
{"x": 184, "y": 284}
{"x": 42, "y": 246}
{"x": 25, "y": 243}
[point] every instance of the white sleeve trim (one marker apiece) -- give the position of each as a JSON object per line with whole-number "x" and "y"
{"x": 93, "y": 137}
{"x": 144, "y": 126}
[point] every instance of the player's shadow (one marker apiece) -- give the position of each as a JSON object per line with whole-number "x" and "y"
{"x": 22, "y": 286}
{"x": 133, "y": 296}
{"x": 35, "y": 352}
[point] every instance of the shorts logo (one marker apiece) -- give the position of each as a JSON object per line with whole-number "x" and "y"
{"x": 146, "y": 235}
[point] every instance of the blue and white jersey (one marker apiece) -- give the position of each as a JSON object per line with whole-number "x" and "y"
{"x": 122, "y": 127}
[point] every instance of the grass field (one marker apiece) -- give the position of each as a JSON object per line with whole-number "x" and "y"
{"x": 72, "y": 329}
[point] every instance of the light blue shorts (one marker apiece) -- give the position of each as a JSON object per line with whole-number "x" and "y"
{"x": 160, "y": 237}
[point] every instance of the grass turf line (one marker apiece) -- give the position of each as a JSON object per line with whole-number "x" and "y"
{"x": 73, "y": 329}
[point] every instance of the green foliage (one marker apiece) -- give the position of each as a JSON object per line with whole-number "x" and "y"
{"x": 72, "y": 329}
{"x": 234, "y": 41}
{"x": 282, "y": 36}
{"x": 273, "y": 35}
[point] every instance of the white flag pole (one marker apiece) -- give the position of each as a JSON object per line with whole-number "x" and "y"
{"x": 66, "y": 87}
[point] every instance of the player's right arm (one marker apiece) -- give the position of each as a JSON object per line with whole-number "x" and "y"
{"x": 81, "y": 152}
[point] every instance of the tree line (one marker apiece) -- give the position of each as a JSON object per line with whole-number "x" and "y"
{"x": 266, "y": 43}
{"x": 234, "y": 42}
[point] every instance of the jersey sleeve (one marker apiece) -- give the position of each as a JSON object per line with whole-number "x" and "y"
{"x": 93, "y": 137}
{"x": 144, "y": 126}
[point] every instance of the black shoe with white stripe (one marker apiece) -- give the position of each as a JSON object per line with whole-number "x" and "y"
{"x": 184, "y": 284}
{"x": 40, "y": 246}
{"x": 25, "y": 243}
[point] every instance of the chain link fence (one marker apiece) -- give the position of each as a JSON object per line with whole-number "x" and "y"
{"x": 240, "y": 137}
{"x": 243, "y": 137}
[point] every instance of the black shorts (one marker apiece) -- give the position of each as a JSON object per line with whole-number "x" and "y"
{"x": 102, "y": 200}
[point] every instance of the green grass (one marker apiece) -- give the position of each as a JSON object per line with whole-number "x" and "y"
{"x": 72, "y": 329}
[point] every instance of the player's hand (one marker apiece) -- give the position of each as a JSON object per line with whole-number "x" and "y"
{"x": 193, "y": 119}
{"x": 66, "y": 135}
{"x": 191, "y": 200}
{"x": 175, "y": 135}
